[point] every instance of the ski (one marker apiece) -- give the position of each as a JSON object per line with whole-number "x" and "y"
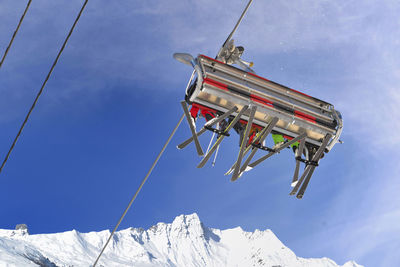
{"x": 263, "y": 134}
{"x": 234, "y": 164}
{"x": 190, "y": 120}
{"x": 189, "y": 140}
{"x": 315, "y": 159}
{"x": 268, "y": 130}
{"x": 298, "y": 155}
{"x": 244, "y": 143}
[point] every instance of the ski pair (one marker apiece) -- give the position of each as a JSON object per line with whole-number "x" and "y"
{"x": 296, "y": 183}
{"x": 309, "y": 170}
{"x": 208, "y": 124}
{"x": 224, "y": 133}
{"x": 237, "y": 169}
{"x": 260, "y": 139}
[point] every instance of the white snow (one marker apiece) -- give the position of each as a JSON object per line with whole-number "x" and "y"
{"x": 185, "y": 242}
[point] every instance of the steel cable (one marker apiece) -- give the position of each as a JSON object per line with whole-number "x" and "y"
{"x": 15, "y": 33}
{"x": 139, "y": 188}
{"x": 43, "y": 85}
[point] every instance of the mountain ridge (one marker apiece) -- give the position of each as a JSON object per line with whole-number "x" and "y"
{"x": 184, "y": 242}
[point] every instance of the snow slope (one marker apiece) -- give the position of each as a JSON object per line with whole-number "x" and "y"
{"x": 185, "y": 242}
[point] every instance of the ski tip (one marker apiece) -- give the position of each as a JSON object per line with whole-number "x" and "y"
{"x": 201, "y": 165}
{"x": 234, "y": 178}
{"x": 248, "y": 168}
{"x": 299, "y": 196}
{"x": 294, "y": 184}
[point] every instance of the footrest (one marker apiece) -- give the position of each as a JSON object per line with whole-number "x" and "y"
{"x": 220, "y": 132}
{"x": 259, "y": 146}
{"x": 307, "y": 162}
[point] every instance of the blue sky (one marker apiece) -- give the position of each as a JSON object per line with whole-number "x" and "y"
{"x": 114, "y": 98}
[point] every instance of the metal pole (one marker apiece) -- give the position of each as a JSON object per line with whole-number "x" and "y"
{"x": 238, "y": 22}
{"x": 140, "y": 188}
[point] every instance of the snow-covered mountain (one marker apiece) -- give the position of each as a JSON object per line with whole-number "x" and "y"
{"x": 184, "y": 242}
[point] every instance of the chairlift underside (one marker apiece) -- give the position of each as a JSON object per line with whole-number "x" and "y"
{"x": 243, "y": 100}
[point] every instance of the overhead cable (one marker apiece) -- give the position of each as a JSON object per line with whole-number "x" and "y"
{"x": 43, "y": 85}
{"x": 15, "y": 33}
{"x": 138, "y": 190}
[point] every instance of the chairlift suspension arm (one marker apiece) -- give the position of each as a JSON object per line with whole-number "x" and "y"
{"x": 238, "y": 22}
